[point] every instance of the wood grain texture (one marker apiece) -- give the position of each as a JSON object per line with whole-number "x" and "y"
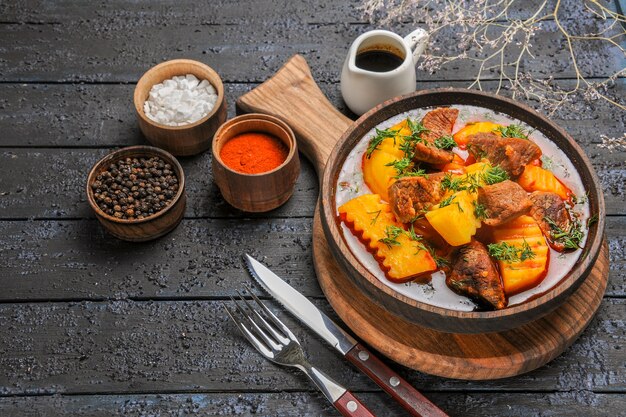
{"x": 249, "y": 53}
{"x": 226, "y": 12}
{"x": 350, "y": 406}
{"x": 411, "y": 399}
{"x": 22, "y": 194}
{"x": 298, "y": 404}
{"x": 479, "y": 356}
{"x": 191, "y": 346}
{"x": 117, "y": 350}
{"x": 62, "y": 260}
{"x": 263, "y": 191}
{"x": 95, "y": 115}
{"x": 292, "y": 95}
{"x": 68, "y": 259}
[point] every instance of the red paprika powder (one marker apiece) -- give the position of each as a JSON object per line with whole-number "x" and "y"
{"x": 253, "y": 152}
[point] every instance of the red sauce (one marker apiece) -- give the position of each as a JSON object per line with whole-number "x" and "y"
{"x": 253, "y": 153}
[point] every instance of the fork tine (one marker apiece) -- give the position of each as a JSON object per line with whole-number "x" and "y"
{"x": 284, "y": 339}
{"x": 268, "y": 341}
{"x": 275, "y": 319}
{"x": 248, "y": 335}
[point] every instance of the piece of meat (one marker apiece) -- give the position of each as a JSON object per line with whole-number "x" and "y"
{"x": 550, "y": 205}
{"x": 475, "y": 276}
{"x": 511, "y": 154}
{"x": 409, "y": 196}
{"x": 503, "y": 201}
{"x": 439, "y": 122}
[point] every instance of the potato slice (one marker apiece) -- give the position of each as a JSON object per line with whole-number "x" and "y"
{"x": 370, "y": 219}
{"x": 455, "y": 222}
{"x": 522, "y": 275}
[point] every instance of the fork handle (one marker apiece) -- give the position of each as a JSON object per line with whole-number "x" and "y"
{"x": 410, "y": 398}
{"x": 349, "y": 406}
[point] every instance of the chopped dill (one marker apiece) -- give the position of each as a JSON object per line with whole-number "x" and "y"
{"x": 512, "y": 131}
{"x": 477, "y": 151}
{"x": 418, "y": 216}
{"x": 445, "y": 142}
{"x": 494, "y": 175}
{"x": 508, "y": 253}
{"x": 470, "y": 182}
{"x": 413, "y": 173}
{"x": 408, "y": 146}
{"x": 592, "y": 220}
{"x": 453, "y": 184}
{"x": 380, "y": 136}
{"x": 527, "y": 252}
{"x": 571, "y": 238}
{"x": 480, "y": 210}
{"x": 377, "y": 213}
{"x": 400, "y": 165}
{"x": 473, "y": 182}
{"x": 447, "y": 201}
{"x": 412, "y": 235}
{"x": 391, "y": 236}
{"x": 440, "y": 260}
{"x": 417, "y": 128}
{"x": 421, "y": 246}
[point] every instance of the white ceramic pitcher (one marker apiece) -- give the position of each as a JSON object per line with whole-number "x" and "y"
{"x": 362, "y": 89}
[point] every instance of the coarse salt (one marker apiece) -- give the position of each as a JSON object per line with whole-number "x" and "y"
{"x": 181, "y": 100}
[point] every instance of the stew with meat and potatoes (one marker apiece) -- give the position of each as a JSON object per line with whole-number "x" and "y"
{"x": 462, "y": 207}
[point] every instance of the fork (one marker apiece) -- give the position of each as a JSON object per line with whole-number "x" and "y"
{"x": 278, "y": 344}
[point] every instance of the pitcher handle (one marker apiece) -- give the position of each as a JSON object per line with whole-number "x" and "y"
{"x": 417, "y": 42}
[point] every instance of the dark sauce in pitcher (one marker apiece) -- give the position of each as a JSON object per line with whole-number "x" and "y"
{"x": 378, "y": 60}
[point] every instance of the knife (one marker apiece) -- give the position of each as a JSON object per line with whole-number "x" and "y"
{"x": 411, "y": 399}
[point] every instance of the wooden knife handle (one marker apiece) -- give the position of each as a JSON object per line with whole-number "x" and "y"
{"x": 410, "y": 398}
{"x": 293, "y": 96}
{"x": 349, "y": 406}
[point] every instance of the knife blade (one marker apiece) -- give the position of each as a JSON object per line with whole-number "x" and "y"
{"x": 298, "y": 305}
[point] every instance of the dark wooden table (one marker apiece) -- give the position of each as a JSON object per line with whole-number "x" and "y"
{"x": 90, "y": 325}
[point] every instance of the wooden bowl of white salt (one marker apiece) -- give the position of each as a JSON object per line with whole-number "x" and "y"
{"x": 180, "y": 104}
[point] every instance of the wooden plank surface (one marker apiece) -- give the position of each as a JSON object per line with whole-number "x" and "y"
{"x": 102, "y": 115}
{"x": 63, "y": 193}
{"x": 289, "y": 404}
{"x": 61, "y": 260}
{"x": 192, "y": 346}
{"x": 228, "y": 12}
{"x": 94, "y": 326}
{"x": 249, "y": 55}
{"x": 23, "y": 195}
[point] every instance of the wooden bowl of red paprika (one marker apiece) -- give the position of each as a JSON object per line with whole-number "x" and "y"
{"x": 255, "y": 162}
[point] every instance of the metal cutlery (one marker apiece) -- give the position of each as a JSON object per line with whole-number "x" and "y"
{"x": 392, "y": 383}
{"x": 277, "y": 343}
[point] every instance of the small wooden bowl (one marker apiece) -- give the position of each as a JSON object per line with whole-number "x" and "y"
{"x": 185, "y": 140}
{"x": 153, "y": 226}
{"x": 256, "y": 192}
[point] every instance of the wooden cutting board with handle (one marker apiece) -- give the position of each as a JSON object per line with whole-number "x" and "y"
{"x": 292, "y": 95}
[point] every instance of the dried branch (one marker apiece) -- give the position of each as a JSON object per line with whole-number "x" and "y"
{"x": 484, "y": 32}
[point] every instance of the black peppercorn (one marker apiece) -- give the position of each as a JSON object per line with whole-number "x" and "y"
{"x": 135, "y": 188}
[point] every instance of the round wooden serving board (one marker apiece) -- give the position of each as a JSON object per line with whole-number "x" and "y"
{"x": 293, "y": 95}
{"x": 462, "y": 356}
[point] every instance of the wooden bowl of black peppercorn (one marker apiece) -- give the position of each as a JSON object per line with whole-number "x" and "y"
{"x": 137, "y": 193}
